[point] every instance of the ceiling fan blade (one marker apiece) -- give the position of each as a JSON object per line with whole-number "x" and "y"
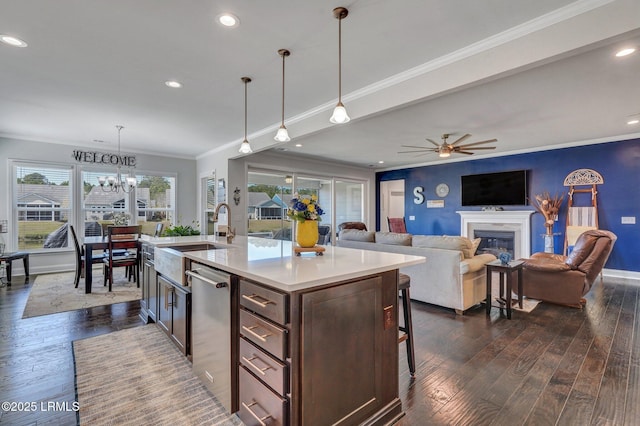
{"x": 476, "y": 147}
{"x": 409, "y": 152}
{"x": 479, "y": 143}
{"x": 465, "y": 137}
{"x": 433, "y": 142}
{"x": 413, "y": 146}
{"x": 464, "y": 152}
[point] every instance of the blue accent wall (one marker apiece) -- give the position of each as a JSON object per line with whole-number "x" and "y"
{"x": 617, "y": 162}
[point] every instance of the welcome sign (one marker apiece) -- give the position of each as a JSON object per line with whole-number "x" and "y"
{"x": 96, "y": 157}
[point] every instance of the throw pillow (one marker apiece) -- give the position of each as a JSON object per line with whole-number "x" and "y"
{"x": 474, "y": 245}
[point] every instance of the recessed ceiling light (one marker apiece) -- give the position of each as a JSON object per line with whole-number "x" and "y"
{"x": 381, "y": 162}
{"x": 173, "y": 84}
{"x": 12, "y": 41}
{"x": 625, "y": 52}
{"x": 298, "y": 145}
{"x": 633, "y": 121}
{"x": 228, "y": 20}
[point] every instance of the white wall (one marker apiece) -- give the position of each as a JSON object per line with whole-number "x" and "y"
{"x": 15, "y": 149}
{"x": 235, "y": 173}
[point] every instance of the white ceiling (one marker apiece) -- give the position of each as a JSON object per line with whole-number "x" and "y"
{"x": 531, "y": 74}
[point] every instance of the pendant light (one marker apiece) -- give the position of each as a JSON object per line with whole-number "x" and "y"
{"x": 245, "y": 147}
{"x": 340, "y": 113}
{"x": 118, "y": 182}
{"x": 283, "y": 134}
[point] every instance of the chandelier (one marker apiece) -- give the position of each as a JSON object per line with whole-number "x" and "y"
{"x": 117, "y": 182}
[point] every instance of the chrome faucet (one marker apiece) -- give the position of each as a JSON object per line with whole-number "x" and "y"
{"x": 231, "y": 233}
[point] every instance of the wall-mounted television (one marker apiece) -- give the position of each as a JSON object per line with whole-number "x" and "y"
{"x": 495, "y": 189}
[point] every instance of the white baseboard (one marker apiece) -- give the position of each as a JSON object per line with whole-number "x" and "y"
{"x": 633, "y": 276}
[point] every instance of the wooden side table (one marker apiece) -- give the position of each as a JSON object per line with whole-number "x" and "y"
{"x": 10, "y": 257}
{"x": 505, "y": 293}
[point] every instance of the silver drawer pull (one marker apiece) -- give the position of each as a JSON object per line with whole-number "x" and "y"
{"x": 258, "y": 418}
{"x": 262, "y": 304}
{"x": 262, "y": 337}
{"x": 252, "y": 365}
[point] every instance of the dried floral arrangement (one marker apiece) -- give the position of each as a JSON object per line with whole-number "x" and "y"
{"x": 548, "y": 207}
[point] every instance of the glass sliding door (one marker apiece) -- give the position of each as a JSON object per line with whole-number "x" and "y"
{"x": 350, "y": 201}
{"x": 269, "y": 193}
{"x": 268, "y": 196}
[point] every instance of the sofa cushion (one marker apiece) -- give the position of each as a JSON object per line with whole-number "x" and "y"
{"x": 476, "y": 263}
{"x": 393, "y": 238}
{"x": 445, "y": 242}
{"x": 357, "y": 235}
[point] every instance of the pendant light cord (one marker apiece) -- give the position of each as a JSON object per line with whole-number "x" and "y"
{"x": 340, "y": 59}
{"x": 245, "y": 110}
{"x": 283, "y": 56}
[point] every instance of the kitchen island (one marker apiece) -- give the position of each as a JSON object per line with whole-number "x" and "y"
{"x": 312, "y": 339}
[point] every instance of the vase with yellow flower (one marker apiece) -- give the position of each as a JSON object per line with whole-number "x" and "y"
{"x": 306, "y": 211}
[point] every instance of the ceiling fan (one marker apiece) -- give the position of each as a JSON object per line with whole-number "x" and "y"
{"x": 446, "y": 149}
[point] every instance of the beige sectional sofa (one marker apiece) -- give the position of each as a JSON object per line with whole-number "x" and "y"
{"x": 453, "y": 275}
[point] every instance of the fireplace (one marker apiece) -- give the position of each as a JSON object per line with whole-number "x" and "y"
{"x": 494, "y": 242}
{"x": 499, "y": 223}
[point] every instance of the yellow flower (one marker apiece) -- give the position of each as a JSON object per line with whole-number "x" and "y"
{"x": 314, "y": 197}
{"x": 311, "y": 208}
{"x": 306, "y": 201}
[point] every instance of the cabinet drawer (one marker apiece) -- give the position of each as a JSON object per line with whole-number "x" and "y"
{"x": 263, "y": 366}
{"x": 266, "y": 335}
{"x": 266, "y": 302}
{"x": 258, "y": 404}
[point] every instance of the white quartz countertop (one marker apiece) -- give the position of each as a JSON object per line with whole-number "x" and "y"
{"x": 184, "y": 241}
{"x": 274, "y": 263}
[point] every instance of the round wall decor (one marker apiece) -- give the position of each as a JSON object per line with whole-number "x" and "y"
{"x": 442, "y": 190}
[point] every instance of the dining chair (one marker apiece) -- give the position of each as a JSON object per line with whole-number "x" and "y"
{"x": 118, "y": 238}
{"x": 397, "y": 224}
{"x": 80, "y": 257}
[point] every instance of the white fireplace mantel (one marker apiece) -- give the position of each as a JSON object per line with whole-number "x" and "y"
{"x": 518, "y": 221}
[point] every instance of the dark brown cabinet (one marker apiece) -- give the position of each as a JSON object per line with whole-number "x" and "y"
{"x": 322, "y": 356}
{"x": 174, "y": 313}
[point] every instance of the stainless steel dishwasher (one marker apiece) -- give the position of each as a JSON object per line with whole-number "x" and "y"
{"x": 211, "y": 326}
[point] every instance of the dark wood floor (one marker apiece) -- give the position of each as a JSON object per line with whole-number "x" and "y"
{"x": 555, "y": 365}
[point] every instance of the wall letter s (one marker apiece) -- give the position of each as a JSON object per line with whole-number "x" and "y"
{"x": 417, "y": 193}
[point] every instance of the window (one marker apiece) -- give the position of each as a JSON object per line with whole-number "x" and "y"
{"x": 43, "y": 205}
{"x": 209, "y": 203}
{"x": 46, "y": 195}
{"x": 155, "y": 197}
{"x": 98, "y": 206}
{"x": 268, "y": 195}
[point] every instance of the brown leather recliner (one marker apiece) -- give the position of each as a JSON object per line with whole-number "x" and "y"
{"x": 352, "y": 225}
{"x": 566, "y": 279}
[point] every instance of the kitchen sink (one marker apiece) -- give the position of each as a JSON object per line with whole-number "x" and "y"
{"x": 195, "y": 247}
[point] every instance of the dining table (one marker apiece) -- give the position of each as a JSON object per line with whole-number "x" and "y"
{"x": 91, "y": 244}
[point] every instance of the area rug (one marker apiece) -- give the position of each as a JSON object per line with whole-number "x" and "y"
{"x": 138, "y": 377}
{"x": 528, "y": 305}
{"x": 53, "y": 293}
